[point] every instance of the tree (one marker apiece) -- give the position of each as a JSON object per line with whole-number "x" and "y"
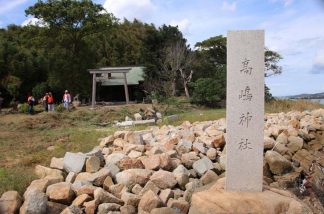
{"x": 178, "y": 60}
{"x": 272, "y": 59}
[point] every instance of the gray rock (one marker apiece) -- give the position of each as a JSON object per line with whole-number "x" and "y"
{"x": 202, "y": 165}
{"x": 74, "y": 162}
{"x": 36, "y": 203}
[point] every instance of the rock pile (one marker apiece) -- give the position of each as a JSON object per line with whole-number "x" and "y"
{"x": 158, "y": 170}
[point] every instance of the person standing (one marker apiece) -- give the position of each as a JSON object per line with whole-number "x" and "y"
{"x": 45, "y": 102}
{"x": 50, "y": 102}
{"x": 66, "y": 99}
{"x": 1, "y": 101}
{"x": 30, "y": 101}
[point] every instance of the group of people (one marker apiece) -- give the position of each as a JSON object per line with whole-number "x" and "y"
{"x": 48, "y": 101}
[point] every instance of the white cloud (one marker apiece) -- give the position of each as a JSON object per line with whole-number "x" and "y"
{"x": 318, "y": 66}
{"x": 231, "y": 7}
{"x": 182, "y": 24}
{"x": 130, "y": 9}
{"x": 8, "y": 5}
{"x": 31, "y": 21}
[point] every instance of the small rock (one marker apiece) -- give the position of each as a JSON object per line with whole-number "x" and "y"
{"x": 295, "y": 143}
{"x": 202, "y": 165}
{"x": 199, "y": 147}
{"x": 165, "y": 195}
{"x": 137, "y": 117}
{"x": 137, "y": 189}
{"x": 72, "y": 210}
{"x": 181, "y": 206}
{"x": 54, "y": 208}
{"x": 212, "y": 153}
{"x": 36, "y": 203}
{"x": 85, "y": 189}
{"x": 149, "y": 201}
{"x": 106, "y": 207}
{"x": 130, "y": 199}
{"x": 277, "y": 163}
{"x": 130, "y": 163}
{"x": 134, "y": 154}
{"x": 91, "y": 206}
{"x": 149, "y": 186}
{"x": 74, "y": 162}
{"x": 42, "y": 172}
{"x": 78, "y": 201}
{"x": 127, "y": 209}
{"x": 10, "y": 202}
{"x": 57, "y": 163}
{"x": 92, "y": 164}
{"x": 114, "y": 158}
{"x": 268, "y": 142}
{"x": 131, "y": 177}
{"x": 209, "y": 177}
{"x": 108, "y": 182}
{"x": 105, "y": 197}
{"x": 184, "y": 147}
{"x": 60, "y": 192}
{"x": 163, "y": 210}
{"x": 163, "y": 179}
{"x": 70, "y": 177}
{"x": 282, "y": 138}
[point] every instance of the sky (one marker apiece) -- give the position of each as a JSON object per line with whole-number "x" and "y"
{"x": 293, "y": 28}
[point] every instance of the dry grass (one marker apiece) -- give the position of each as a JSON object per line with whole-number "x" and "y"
{"x": 291, "y": 105}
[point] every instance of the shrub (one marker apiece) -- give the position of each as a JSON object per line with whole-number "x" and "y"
{"x": 40, "y": 89}
{"x": 23, "y": 108}
{"x": 208, "y": 92}
{"x": 59, "y": 108}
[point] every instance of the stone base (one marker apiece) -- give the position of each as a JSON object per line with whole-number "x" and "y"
{"x": 213, "y": 199}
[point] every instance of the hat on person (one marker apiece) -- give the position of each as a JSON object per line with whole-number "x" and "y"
{"x": 66, "y": 91}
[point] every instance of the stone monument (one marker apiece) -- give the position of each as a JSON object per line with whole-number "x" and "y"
{"x": 245, "y": 111}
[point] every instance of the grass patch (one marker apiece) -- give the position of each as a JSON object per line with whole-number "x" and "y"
{"x": 291, "y": 105}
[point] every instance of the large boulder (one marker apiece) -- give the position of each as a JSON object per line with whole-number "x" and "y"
{"x": 214, "y": 199}
{"x": 278, "y": 164}
{"x": 74, "y": 162}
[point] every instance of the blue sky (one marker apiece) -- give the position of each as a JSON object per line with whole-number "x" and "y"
{"x": 294, "y": 28}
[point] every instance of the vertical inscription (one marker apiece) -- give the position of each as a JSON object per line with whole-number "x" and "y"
{"x": 245, "y": 110}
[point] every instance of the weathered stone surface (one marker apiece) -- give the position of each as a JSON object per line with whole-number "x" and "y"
{"x": 60, "y": 192}
{"x": 189, "y": 158}
{"x": 36, "y": 203}
{"x": 131, "y": 177}
{"x": 163, "y": 179}
{"x": 202, "y": 165}
{"x": 278, "y": 164}
{"x": 158, "y": 161}
{"x": 130, "y": 163}
{"x": 212, "y": 153}
{"x": 119, "y": 142}
{"x": 85, "y": 189}
{"x": 269, "y": 142}
{"x": 105, "y": 197}
{"x": 42, "y": 172}
{"x": 199, "y": 147}
{"x": 164, "y": 210}
{"x": 282, "y": 138}
{"x": 113, "y": 168}
{"x": 74, "y": 162}
{"x": 96, "y": 178}
{"x": 137, "y": 189}
{"x": 149, "y": 186}
{"x": 92, "y": 164}
{"x": 107, "y": 183}
{"x": 130, "y": 199}
{"x": 72, "y": 210}
{"x": 305, "y": 159}
{"x": 219, "y": 141}
{"x": 54, "y": 208}
{"x": 134, "y": 154}
{"x": 39, "y": 185}
{"x": 165, "y": 195}
{"x": 106, "y": 207}
{"x": 209, "y": 177}
{"x": 10, "y": 202}
{"x": 106, "y": 141}
{"x": 184, "y": 147}
{"x": 114, "y": 158}
{"x": 78, "y": 201}
{"x": 70, "y": 177}
{"x": 214, "y": 199}
{"x": 127, "y": 209}
{"x": 149, "y": 201}
{"x": 180, "y": 206}
{"x": 117, "y": 189}
{"x": 91, "y": 206}
{"x": 57, "y": 163}
{"x": 295, "y": 143}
